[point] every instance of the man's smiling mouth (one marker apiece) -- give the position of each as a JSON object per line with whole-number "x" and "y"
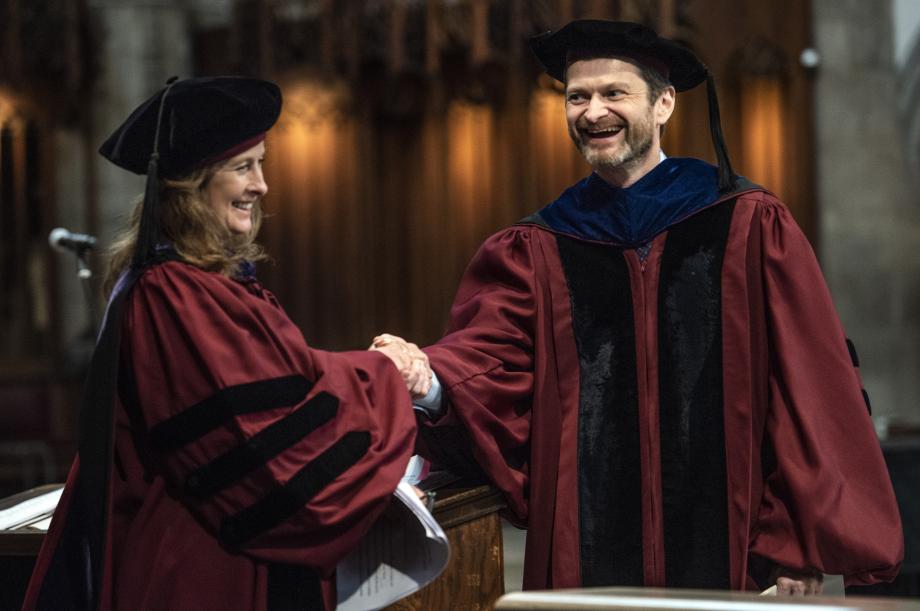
{"x": 605, "y": 132}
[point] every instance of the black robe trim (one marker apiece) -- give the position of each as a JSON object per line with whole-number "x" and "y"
{"x": 865, "y": 397}
{"x": 262, "y": 447}
{"x": 692, "y": 435}
{"x": 284, "y": 502}
{"x": 130, "y": 400}
{"x": 293, "y": 587}
{"x": 290, "y": 587}
{"x": 69, "y": 583}
{"x": 203, "y": 417}
{"x": 851, "y": 348}
{"x": 74, "y": 578}
{"x": 609, "y": 485}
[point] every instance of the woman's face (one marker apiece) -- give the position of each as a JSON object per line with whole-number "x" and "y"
{"x": 236, "y": 187}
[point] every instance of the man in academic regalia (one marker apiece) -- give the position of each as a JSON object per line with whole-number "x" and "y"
{"x": 651, "y": 369}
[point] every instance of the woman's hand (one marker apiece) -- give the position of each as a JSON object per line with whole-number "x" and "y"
{"x": 411, "y": 362}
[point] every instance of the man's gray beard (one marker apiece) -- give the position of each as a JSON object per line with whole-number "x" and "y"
{"x": 632, "y": 151}
{"x": 625, "y": 157}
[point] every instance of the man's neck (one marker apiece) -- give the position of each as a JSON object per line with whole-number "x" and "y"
{"x": 626, "y": 175}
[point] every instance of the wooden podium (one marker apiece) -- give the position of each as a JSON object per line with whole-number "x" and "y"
{"x": 473, "y": 579}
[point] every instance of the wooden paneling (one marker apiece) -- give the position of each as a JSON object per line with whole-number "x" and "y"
{"x": 373, "y": 222}
{"x": 25, "y": 310}
{"x": 381, "y": 196}
{"x": 745, "y": 44}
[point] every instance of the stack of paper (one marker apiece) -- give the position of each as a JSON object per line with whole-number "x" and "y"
{"x": 404, "y": 551}
{"x": 34, "y": 513}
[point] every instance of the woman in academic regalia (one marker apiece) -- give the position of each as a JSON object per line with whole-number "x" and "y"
{"x": 223, "y": 463}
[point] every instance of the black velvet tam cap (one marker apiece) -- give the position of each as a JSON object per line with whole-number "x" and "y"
{"x": 636, "y": 41}
{"x": 201, "y": 118}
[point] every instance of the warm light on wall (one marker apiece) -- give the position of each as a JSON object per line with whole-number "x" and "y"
{"x": 548, "y": 119}
{"x": 310, "y": 134}
{"x": 469, "y": 129}
{"x": 762, "y": 132}
{"x": 6, "y": 108}
{"x": 314, "y": 103}
{"x": 553, "y": 156}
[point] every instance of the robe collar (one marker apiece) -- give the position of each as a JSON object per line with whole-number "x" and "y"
{"x": 166, "y": 251}
{"x": 593, "y": 209}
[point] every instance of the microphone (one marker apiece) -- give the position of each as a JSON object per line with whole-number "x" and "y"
{"x": 63, "y": 240}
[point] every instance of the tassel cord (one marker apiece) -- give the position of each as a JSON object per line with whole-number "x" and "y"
{"x": 727, "y": 180}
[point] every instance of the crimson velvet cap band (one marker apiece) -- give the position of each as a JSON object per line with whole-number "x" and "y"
{"x": 675, "y": 62}
{"x": 201, "y": 119}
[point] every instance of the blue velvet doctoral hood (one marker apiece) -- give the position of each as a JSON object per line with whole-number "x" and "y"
{"x": 594, "y": 209}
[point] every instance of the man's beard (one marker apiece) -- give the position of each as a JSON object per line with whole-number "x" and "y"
{"x": 633, "y": 149}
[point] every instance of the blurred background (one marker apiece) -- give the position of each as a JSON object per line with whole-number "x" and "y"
{"x": 412, "y": 129}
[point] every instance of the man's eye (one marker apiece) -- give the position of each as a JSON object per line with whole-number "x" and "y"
{"x": 615, "y": 93}
{"x": 575, "y": 97}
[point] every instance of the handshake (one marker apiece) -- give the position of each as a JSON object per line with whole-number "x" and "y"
{"x": 409, "y": 359}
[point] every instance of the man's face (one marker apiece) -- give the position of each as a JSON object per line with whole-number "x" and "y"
{"x": 609, "y": 115}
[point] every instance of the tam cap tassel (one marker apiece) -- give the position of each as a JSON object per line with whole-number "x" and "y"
{"x": 148, "y": 233}
{"x": 727, "y": 180}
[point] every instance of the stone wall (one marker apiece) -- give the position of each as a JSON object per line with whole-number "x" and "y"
{"x": 868, "y": 214}
{"x": 139, "y": 44}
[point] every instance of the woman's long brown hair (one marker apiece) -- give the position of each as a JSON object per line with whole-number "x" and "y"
{"x": 191, "y": 226}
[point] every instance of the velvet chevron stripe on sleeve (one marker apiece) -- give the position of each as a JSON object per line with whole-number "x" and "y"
{"x": 195, "y": 422}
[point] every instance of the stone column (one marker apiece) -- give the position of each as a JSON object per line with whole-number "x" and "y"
{"x": 868, "y": 217}
{"x": 77, "y": 321}
{"x": 139, "y": 44}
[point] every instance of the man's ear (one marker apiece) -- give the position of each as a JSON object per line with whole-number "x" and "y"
{"x": 664, "y": 106}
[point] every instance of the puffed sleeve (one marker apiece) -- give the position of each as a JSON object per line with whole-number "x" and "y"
{"x": 485, "y": 364}
{"x": 283, "y": 452}
{"x": 828, "y": 503}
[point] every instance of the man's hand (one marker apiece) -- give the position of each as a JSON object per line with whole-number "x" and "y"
{"x": 797, "y": 583}
{"x": 411, "y": 362}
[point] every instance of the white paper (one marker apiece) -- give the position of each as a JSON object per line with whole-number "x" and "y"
{"x": 404, "y": 551}
{"x": 28, "y": 511}
{"x": 43, "y": 524}
{"x": 415, "y": 470}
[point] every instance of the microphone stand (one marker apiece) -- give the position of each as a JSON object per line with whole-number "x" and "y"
{"x": 85, "y": 274}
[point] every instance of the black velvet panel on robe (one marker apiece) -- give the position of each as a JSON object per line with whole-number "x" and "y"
{"x": 293, "y": 588}
{"x": 692, "y": 434}
{"x": 609, "y": 485}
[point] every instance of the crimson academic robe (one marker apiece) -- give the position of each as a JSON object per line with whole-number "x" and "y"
{"x": 245, "y": 463}
{"x": 657, "y": 380}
